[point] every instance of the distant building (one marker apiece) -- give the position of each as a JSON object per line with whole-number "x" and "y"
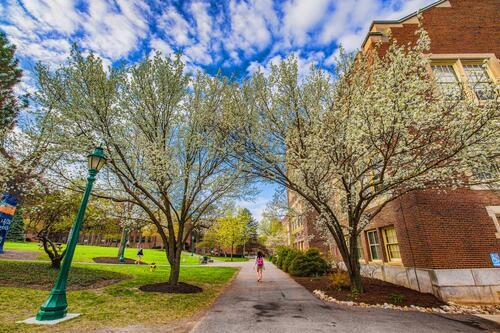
{"x": 437, "y": 242}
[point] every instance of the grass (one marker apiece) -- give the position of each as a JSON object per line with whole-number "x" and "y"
{"x": 117, "y": 305}
{"x": 228, "y": 258}
{"x": 85, "y": 253}
{"x": 42, "y": 276}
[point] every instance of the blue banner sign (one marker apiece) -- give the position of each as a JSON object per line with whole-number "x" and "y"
{"x": 495, "y": 259}
{"x": 7, "y": 209}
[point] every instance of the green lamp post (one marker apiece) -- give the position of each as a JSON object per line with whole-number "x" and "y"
{"x": 55, "y": 307}
{"x": 123, "y": 245}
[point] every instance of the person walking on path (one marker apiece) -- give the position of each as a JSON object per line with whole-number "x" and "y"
{"x": 259, "y": 264}
{"x": 140, "y": 253}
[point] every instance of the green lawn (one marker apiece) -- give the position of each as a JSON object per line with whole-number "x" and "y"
{"x": 116, "y": 305}
{"x": 85, "y": 253}
{"x": 42, "y": 276}
{"x": 228, "y": 258}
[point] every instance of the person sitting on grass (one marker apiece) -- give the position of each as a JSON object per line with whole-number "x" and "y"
{"x": 259, "y": 263}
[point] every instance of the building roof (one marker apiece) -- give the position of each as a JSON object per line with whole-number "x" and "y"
{"x": 400, "y": 21}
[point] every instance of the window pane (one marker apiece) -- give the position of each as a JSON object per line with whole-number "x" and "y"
{"x": 393, "y": 251}
{"x": 373, "y": 242}
{"x": 391, "y": 236}
{"x": 479, "y": 80}
{"x": 447, "y": 81}
{"x": 391, "y": 243}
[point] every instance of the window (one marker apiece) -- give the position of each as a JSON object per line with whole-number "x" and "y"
{"x": 494, "y": 213}
{"x": 454, "y": 75}
{"x": 479, "y": 80}
{"x": 391, "y": 244}
{"x": 447, "y": 81}
{"x": 373, "y": 243}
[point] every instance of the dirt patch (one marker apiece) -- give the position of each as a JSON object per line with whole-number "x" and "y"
{"x": 114, "y": 260}
{"x": 164, "y": 287}
{"x": 376, "y": 292}
{"x": 19, "y": 255}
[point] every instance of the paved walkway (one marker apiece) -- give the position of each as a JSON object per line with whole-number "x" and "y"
{"x": 279, "y": 304}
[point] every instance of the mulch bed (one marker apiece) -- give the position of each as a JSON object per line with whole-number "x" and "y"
{"x": 164, "y": 287}
{"x": 114, "y": 260}
{"x": 376, "y": 292}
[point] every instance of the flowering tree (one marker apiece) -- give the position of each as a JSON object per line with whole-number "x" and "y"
{"x": 272, "y": 232}
{"x": 349, "y": 143}
{"x": 156, "y": 124}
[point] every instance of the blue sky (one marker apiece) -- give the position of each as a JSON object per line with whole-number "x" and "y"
{"x": 235, "y": 36}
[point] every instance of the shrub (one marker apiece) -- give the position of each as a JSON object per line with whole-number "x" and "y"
{"x": 289, "y": 258}
{"x": 308, "y": 264}
{"x": 340, "y": 280}
{"x": 275, "y": 258}
{"x": 282, "y": 254}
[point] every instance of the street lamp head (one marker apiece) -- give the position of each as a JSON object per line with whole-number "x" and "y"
{"x": 97, "y": 159}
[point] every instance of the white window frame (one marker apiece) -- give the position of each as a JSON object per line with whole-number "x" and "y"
{"x": 494, "y": 213}
{"x": 377, "y": 245}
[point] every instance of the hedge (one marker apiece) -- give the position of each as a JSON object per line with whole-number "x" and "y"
{"x": 308, "y": 264}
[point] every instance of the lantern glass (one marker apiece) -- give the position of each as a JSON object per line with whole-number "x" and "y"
{"x": 97, "y": 159}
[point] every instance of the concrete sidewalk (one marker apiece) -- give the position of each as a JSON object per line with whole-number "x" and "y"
{"x": 279, "y": 304}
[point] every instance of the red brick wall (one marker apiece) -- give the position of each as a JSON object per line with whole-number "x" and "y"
{"x": 468, "y": 26}
{"x": 443, "y": 230}
{"x": 309, "y": 234}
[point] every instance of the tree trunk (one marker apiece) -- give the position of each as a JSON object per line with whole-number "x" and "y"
{"x": 353, "y": 268}
{"x": 175, "y": 267}
{"x": 232, "y": 252}
{"x": 56, "y": 262}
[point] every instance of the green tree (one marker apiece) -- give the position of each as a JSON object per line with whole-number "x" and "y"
{"x": 53, "y": 212}
{"x": 48, "y": 214}
{"x": 10, "y": 75}
{"x": 230, "y": 232}
{"x": 16, "y": 231}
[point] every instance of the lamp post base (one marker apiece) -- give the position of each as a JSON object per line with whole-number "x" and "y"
{"x": 35, "y": 321}
{"x": 55, "y": 307}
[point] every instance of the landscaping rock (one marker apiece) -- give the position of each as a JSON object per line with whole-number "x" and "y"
{"x": 450, "y": 308}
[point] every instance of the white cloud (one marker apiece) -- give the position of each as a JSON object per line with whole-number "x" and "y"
{"x": 114, "y": 31}
{"x": 60, "y": 15}
{"x": 175, "y": 26}
{"x": 201, "y": 49}
{"x": 300, "y": 17}
{"x": 159, "y": 44}
{"x": 251, "y": 25}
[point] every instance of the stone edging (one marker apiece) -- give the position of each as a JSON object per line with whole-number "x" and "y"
{"x": 451, "y": 308}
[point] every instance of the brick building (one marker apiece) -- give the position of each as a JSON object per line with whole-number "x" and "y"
{"x": 439, "y": 242}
